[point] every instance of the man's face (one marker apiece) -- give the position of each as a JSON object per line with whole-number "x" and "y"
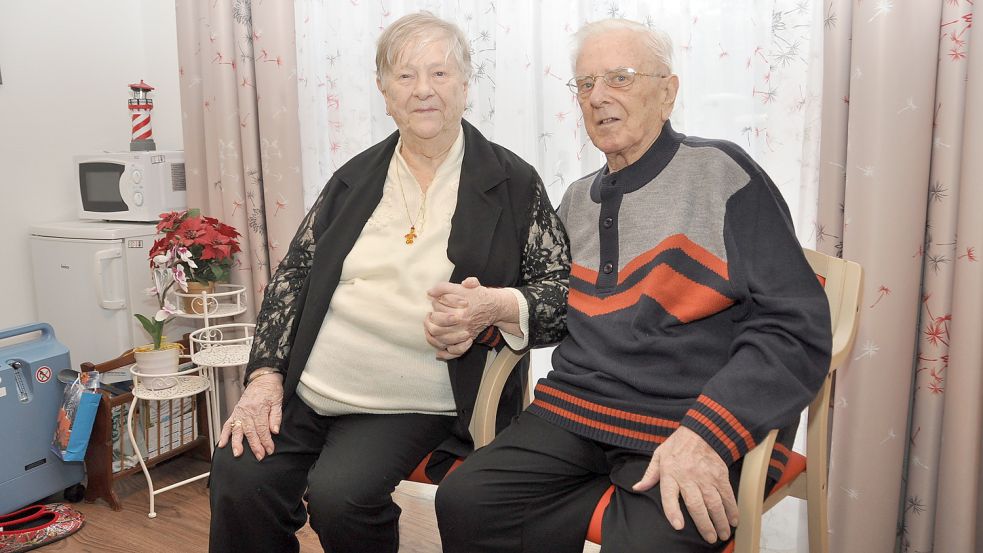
{"x": 624, "y": 122}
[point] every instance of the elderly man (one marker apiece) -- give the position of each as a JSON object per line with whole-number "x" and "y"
{"x": 695, "y": 326}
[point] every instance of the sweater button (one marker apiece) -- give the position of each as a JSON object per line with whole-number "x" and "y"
{"x": 608, "y": 222}
{"x": 608, "y": 267}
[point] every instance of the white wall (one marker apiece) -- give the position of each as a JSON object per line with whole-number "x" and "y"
{"x": 65, "y": 67}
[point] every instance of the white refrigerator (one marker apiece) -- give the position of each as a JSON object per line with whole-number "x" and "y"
{"x": 90, "y": 277}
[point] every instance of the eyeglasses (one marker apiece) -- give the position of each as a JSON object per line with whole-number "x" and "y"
{"x": 616, "y": 78}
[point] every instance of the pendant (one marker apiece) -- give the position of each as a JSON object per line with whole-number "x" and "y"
{"x": 411, "y": 235}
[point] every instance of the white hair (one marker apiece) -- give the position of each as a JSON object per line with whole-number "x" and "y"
{"x": 419, "y": 30}
{"x": 657, "y": 41}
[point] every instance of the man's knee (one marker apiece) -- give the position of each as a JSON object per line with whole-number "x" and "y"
{"x": 458, "y": 503}
{"x": 455, "y": 492}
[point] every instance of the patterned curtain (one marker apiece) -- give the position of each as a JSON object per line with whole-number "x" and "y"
{"x": 899, "y": 189}
{"x": 750, "y": 72}
{"x": 241, "y": 139}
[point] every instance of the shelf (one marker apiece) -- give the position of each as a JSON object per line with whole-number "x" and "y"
{"x": 223, "y": 356}
{"x": 186, "y": 386}
{"x": 225, "y": 345}
{"x": 226, "y": 301}
{"x": 220, "y": 310}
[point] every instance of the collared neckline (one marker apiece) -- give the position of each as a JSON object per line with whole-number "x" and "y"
{"x": 640, "y": 173}
{"x": 452, "y": 163}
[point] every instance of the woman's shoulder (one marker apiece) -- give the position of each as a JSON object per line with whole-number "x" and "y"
{"x": 514, "y": 166}
{"x": 379, "y": 152}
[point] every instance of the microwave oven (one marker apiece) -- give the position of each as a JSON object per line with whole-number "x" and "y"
{"x": 130, "y": 186}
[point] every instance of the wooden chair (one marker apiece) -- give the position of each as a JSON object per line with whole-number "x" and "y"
{"x": 485, "y": 408}
{"x": 842, "y": 280}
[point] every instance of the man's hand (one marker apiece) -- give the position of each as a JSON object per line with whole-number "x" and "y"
{"x": 256, "y": 415}
{"x": 687, "y": 465}
{"x": 462, "y": 311}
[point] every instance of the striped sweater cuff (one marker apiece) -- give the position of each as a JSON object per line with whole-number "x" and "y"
{"x": 719, "y": 428}
{"x": 490, "y": 337}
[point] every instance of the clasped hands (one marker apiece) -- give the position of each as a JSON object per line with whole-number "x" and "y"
{"x": 461, "y": 312}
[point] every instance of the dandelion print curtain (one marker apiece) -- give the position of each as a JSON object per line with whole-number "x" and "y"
{"x": 239, "y": 114}
{"x": 901, "y": 180}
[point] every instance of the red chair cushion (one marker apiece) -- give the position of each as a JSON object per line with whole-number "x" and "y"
{"x": 419, "y": 474}
{"x": 795, "y": 466}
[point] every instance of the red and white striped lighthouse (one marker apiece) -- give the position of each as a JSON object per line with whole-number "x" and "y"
{"x": 142, "y": 137}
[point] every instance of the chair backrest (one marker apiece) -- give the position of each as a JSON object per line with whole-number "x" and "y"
{"x": 843, "y": 283}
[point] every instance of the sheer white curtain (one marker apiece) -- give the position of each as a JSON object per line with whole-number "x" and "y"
{"x": 750, "y": 72}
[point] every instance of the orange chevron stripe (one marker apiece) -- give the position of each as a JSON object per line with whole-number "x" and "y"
{"x": 731, "y": 419}
{"x": 672, "y": 425}
{"x": 676, "y": 241}
{"x": 600, "y": 425}
{"x": 702, "y": 419}
{"x": 583, "y": 273}
{"x": 678, "y": 295}
{"x": 778, "y": 465}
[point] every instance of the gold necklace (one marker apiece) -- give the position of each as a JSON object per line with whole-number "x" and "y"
{"x": 420, "y": 214}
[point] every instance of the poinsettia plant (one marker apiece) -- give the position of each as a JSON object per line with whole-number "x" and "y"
{"x": 210, "y": 243}
{"x": 168, "y": 271}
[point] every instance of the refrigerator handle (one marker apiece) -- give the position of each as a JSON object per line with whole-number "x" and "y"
{"x": 100, "y": 258}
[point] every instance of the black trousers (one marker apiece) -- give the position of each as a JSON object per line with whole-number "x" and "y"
{"x": 533, "y": 490}
{"x": 349, "y": 465}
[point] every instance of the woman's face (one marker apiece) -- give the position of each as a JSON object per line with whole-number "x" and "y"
{"x": 425, "y": 92}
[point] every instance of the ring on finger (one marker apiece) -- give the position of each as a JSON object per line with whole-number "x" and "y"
{"x": 237, "y": 423}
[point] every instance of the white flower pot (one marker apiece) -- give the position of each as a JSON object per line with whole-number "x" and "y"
{"x": 157, "y": 361}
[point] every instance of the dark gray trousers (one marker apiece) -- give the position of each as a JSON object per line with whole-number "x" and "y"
{"x": 533, "y": 490}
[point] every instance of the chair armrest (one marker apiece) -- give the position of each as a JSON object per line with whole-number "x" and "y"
{"x": 751, "y": 492}
{"x": 489, "y": 394}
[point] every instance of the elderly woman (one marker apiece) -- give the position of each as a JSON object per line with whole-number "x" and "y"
{"x": 366, "y": 356}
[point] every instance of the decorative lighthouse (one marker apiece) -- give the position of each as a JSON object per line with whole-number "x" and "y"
{"x": 140, "y": 106}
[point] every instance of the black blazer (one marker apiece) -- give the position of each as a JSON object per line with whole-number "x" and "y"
{"x": 489, "y": 229}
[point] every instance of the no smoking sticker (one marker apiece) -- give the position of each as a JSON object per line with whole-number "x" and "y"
{"x": 43, "y": 374}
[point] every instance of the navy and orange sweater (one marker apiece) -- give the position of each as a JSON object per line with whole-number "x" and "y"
{"x": 690, "y": 304}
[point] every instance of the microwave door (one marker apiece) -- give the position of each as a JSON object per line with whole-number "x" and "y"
{"x": 101, "y": 187}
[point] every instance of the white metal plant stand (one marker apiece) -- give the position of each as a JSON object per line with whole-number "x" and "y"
{"x": 218, "y": 346}
{"x": 211, "y": 347}
{"x": 187, "y": 384}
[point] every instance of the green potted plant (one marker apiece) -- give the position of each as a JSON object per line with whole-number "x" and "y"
{"x": 161, "y": 356}
{"x": 210, "y": 244}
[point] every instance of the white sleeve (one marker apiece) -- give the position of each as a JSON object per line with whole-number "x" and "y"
{"x": 519, "y": 343}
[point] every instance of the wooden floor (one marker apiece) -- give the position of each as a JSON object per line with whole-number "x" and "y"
{"x": 182, "y": 518}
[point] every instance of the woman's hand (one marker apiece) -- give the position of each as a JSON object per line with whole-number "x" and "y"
{"x": 462, "y": 311}
{"x": 256, "y": 415}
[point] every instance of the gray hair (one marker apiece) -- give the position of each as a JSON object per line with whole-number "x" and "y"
{"x": 421, "y": 29}
{"x": 658, "y": 42}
